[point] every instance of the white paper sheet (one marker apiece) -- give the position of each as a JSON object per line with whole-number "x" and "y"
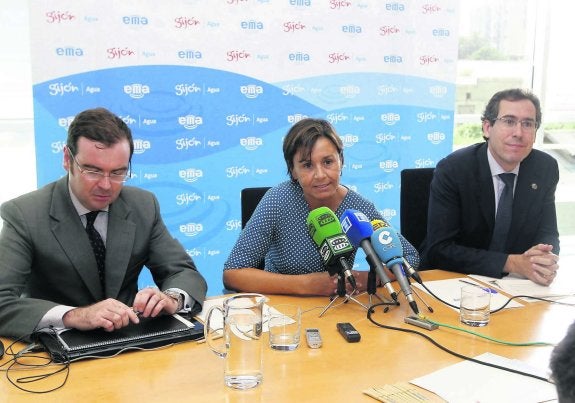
{"x": 450, "y": 291}
{"x": 468, "y": 382}
{"x": 514, "y": 285}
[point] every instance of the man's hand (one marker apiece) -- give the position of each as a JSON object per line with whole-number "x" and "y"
{"x": 539, "y": 264}
{"x": 152, "y": 302}
{"x": 109, "y": 314}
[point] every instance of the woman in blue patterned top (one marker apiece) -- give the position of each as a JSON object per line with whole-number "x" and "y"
{"x": 277, "y": 232}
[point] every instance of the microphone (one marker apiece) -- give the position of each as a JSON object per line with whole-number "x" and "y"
{"x": 388, "y": 247}
{"x": 377, "y": 224}
{"x": 358, "y": 229}
{"x": 334, "y": 247}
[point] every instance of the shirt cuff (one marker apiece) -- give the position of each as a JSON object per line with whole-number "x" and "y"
{"x": 54, "y": 317}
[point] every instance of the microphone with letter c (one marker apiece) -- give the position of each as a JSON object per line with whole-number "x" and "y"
{"x": 388, "y": 247}
{"x": 358, "y": 229}
{"x": 377, "y": 224}
{"x": 333, "y": 245}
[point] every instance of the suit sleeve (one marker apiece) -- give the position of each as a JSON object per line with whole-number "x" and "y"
{"x": 446, "y": 217}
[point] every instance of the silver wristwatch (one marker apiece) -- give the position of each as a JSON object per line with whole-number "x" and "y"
{"x": 177, "y": 296}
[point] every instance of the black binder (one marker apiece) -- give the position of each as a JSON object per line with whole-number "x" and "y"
{"x": 72, "y": 345}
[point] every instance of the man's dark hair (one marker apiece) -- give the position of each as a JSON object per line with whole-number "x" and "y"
{"x": 100, "y": 125}
{"x": 491, "y": 111}
{"x": 563, "y": 366}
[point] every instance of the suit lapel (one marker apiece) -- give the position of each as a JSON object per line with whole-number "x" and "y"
{"x": 119, "y": 245}
{"x": 70, "y": 233}
{"x": 526, "y": 191}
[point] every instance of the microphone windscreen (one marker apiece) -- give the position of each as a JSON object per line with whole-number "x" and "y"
{"x": 387, "y": 245}
{"x": 322, "y": 223}
{"x": 356, "y": 226}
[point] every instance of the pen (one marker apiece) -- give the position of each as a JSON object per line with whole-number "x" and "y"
{"x": 489, "y": 290}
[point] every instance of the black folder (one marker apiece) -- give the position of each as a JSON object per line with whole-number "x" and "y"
{"x": 72, "y": 344}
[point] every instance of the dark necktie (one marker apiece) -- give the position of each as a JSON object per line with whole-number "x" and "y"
{"x": 503, "y": 217}
{"x": 97, "y": 246}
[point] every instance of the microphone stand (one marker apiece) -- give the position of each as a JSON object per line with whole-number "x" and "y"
{"x": 341, "y": 292}
{"x": 372, "y": 291}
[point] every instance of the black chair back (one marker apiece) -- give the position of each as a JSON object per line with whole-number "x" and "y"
{"x": 414, "y": 200}
{"x": 250, "y": 198}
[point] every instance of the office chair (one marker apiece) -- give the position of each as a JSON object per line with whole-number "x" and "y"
{"x": 414, "y": 199}
{"x": 250, "y": 198}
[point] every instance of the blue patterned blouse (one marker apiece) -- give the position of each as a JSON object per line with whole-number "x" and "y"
{"x": 277, "y": 231}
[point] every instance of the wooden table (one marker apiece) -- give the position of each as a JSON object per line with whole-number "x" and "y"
{"x": 338, "y": 372}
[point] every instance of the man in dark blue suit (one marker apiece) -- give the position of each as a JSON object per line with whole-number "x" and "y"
{"x": 50, "y": 272}
{"x": 466, "y": 190}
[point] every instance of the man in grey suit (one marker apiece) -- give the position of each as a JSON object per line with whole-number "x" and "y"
{"x": 50, "y": 274}
{"x": 466, "y": 191}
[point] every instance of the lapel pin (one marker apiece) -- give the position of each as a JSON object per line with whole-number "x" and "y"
{"x": 534, "y": 186}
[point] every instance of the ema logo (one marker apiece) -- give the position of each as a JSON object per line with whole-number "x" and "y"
{"x": 444, "y": 32}
{"x": 134, "y": 20}
{"x": 183, "y": 90}
{"x": 136, "y": 91}
{"x": 251, "y": 91}
{"x": 190, "y": 122}
{"x": 191, "y": 174}
{"x": 185, "y": 199}
{"x": 65, "y": 122}
{"x": 300, "y": 3}
{"x": 438, "y": 91}
{"x": 189, "y": 54}
{"x": 251, "y": 143}
{"x": 252, "y": 25}
{"x": 299, "y": 57}
{"x": 351, "y": 29}
{"x": 394, "y": 59}
{"x": 381, "y": 187}
{"x": 388, "y": 213}
{"x": 191, "y": 229}
{"x": 435, "y": 137}
{"x": 389, "y": 165}
{"x": 349, "y": 140}
{"x": 140, "y": 146}
{"x": 390, "y": 118}
{"x": 296, "y": 118}
{"x": 69, "y": 51}
{"x": 394, "y": 7}
{"x": 350, "y": 91}
{"x": 62, "y": 88}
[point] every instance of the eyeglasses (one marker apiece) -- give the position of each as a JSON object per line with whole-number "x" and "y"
{"x": 511, "y": 123}
{"x": 118, "y": 176}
